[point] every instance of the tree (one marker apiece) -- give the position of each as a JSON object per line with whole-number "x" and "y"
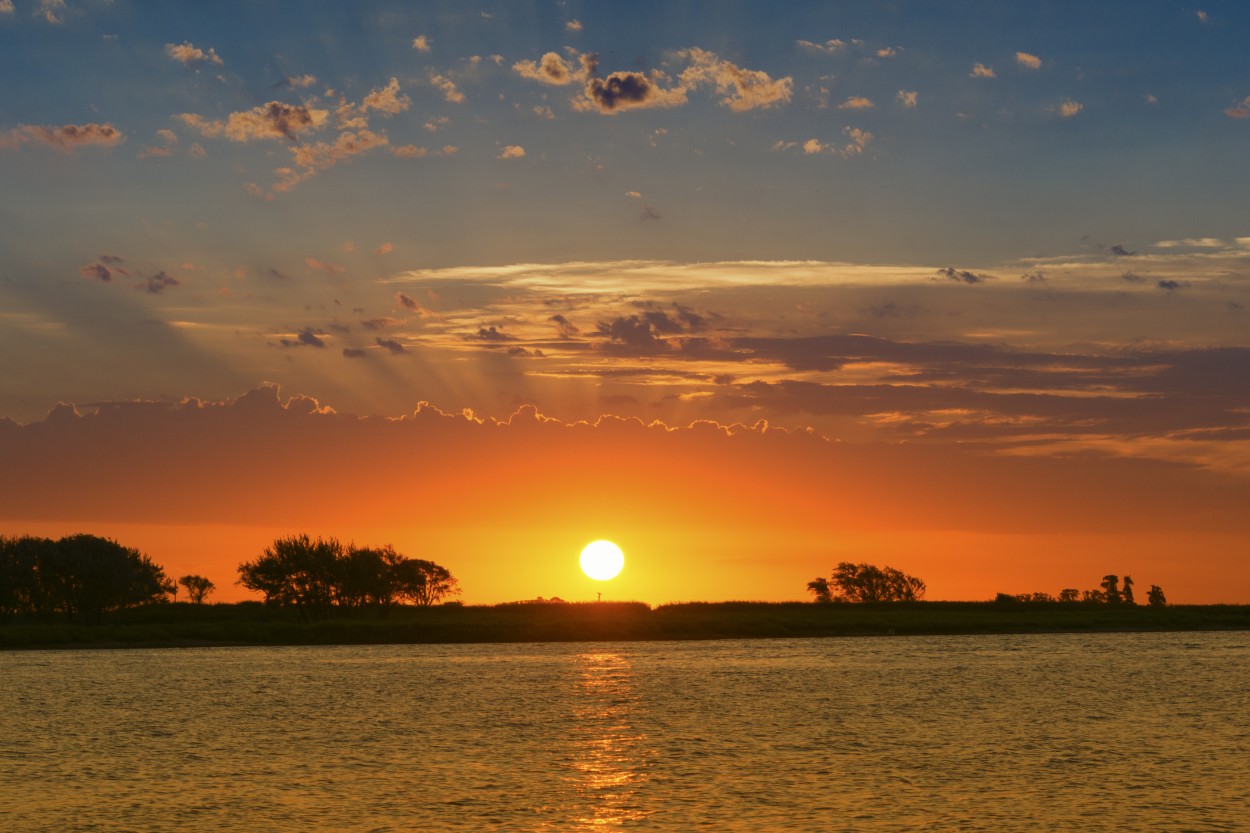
{"x": 868, "y": 583}
{"x": 1155, "y": 597}
{"x": 424, "y": 582}
{"x": 820, "y": 586}
{"x": 197, "y": 587}
{"x": 1111, "y": 589}
{"x": 1126, "y": 594}
{"x": 1069, "y": 594}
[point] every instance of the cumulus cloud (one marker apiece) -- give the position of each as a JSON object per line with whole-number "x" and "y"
{"x": 1028, "y": 61}
{"x": 186, "y": 54}
{"x": 857, "y": 141}
{"x": 409, "y": 152}
{"x": 742, "y": 89}
{"x": 448, "y": 88}
{"x": 298, "y": 81}
{"x": 511, "y": 152}
{"x": 421, "y": 43}
{"x": 857, "y": 102}
{"x": 64, "y": 137}
{"x": 274, "y": 120}
{"x": 564, "y": 327}
{"x": 573, "y": 25}
{"x": 1241, "y": 110}
{"x": 97, "y": 271}
{"x": 554, "y": 70}
{"x": 629, "y": 91}
{"x": 320, "y": 156}
{"x": 491, "y": 333}
{"x": 6, "y": 7}
{"x": 409, "y": 303}
{"x": 982, "y": 71}
{"x": 1069, "y": 108}
{"x": 906, "y": 99}
{"x": 388, "y": 99}
{"x": 52, "y": 11}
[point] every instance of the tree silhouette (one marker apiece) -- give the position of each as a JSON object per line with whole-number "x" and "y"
{"x": 868, "y": 583}
{"x": 820, "y": 587}
{"x": 424, "y": 582}
{"x": 1110, "y": 589}
{"x": 1126, "y": 593}
{"x": 197, "y": 587}
{"x": 1155, "y": 597}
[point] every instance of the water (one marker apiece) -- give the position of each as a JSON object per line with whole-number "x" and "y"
{"x": 1114, "y": 732}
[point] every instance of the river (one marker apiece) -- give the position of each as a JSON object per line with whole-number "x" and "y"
{"x": 1079, "y": 732}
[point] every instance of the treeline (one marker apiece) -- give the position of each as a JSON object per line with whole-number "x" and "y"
{"x": 321, "y": 576}
{"x": 79, "y": 576}
{"x": 1109, "y": 591}
{"x": 84, "y": 577}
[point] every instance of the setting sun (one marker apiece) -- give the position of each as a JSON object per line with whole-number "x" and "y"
{"x": 602, "y": 560}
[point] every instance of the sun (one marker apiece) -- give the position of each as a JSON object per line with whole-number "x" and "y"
{"x": 602, "y": 560}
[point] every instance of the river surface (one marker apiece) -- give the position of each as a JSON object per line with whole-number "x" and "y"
{"x": 1080, "y": 732}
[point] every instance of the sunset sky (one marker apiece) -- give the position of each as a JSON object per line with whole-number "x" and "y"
{"x": 959, "y": 288}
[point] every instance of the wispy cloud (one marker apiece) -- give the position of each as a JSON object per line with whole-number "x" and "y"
{"x": 65, "y": 137}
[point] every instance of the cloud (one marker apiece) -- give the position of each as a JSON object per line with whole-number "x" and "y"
{"x": 826, "y": 48}
{"x": 554, "y": 70}
{"x": 321, "y": 156}
{"x": 323, "y": 266}
{"x": 858, "y": 140}
{"x": 186, "y": 54}
{"x": 384, "y": 249}
{"x": 65, "y": 137}
{"x": 354, "y": 353}
{"x": 982, "y": 71}
{"x": 743, "y": 89}
{"x": 887, "y": 52}
{"x": 6, "y": 7}
{"x": 448, "y": 89}
{"x": 1241, "y": 110}
{"x": 158, "y": 283}
{"x": 379, "y": 323}
{"x": 274, "y": 120}
{"x": 307, "y": 337}
{"x": 1191, "y": 243}
{"x": 1033, "y": 277}
{"x": 386, "y": 99}
{"x": 421, "y": 43}
{"x": 511, "y": 152}
{"x": 1028, "y": 61}
{"x": 1069, "y": 108}
{"x": 408, "y": 152}
{"x": 97, "y": 271}
{"x": 629, "y": 91}
{"x": 564, "y": 327}
{"x": 491, "y": 333}
{"x": 573, "y": 25}
{"x": 1131, "y": 277}
{"x": 391, "y": 346}
{"x": 962, "y": 275}
{"x": 409, "y": 303}
{"x": 1170, "y": 285}
{"x": 1202, "y": 16}
{"x": 52, "y": 11}
{"x": 857, "y": 102}
{"x": 1119, "y": 251}
{"x": 906, "y": 99}
{"x": 298, "y": 81}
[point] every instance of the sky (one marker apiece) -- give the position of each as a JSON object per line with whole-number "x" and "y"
{"x": 959, "y": 288}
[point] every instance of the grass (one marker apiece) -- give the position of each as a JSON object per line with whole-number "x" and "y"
{"x": 250, "y": 623}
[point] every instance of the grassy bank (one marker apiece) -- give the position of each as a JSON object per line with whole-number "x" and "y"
{"x": 253, "y": 624}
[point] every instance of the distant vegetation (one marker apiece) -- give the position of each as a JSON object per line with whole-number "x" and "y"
{"x": 866, "y": 583}
{"x": 1110, "y": 591}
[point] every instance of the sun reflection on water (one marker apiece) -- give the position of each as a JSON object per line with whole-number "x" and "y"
{"x": 610, "y": 754}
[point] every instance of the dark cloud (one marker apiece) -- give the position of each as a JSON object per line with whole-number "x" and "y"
{"x": 491, "y": 334}
{"x": 1120, "y": 251}
{"x": 1033, "y": 277}
{"x": 96, "y": 271}
{"x": 521, "y": 352}
{"x": 112, "y": 260}
{"x": 648, "y": 212}
{"x": 158, "y": 283}
{"x": 354, "y": 353}
{"x": 379, "y": 323}
{"x": 626, "y": 91}
{"x": 306, "y": 338}
{"x": 1132, "y": 278}
{"x": 394, "y": 347}
{"x": 408, "y": 302}
{"x": 962, "y": 275}
{"x": 274, "y": 273}
{"x": 1170, "y": 285}
{"x": 564, "y": 327}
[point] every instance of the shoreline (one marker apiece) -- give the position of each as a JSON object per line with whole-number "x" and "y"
{"x": 249, "y": 624}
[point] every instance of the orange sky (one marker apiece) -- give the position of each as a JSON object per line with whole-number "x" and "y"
{"x": 703, "y": 512}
